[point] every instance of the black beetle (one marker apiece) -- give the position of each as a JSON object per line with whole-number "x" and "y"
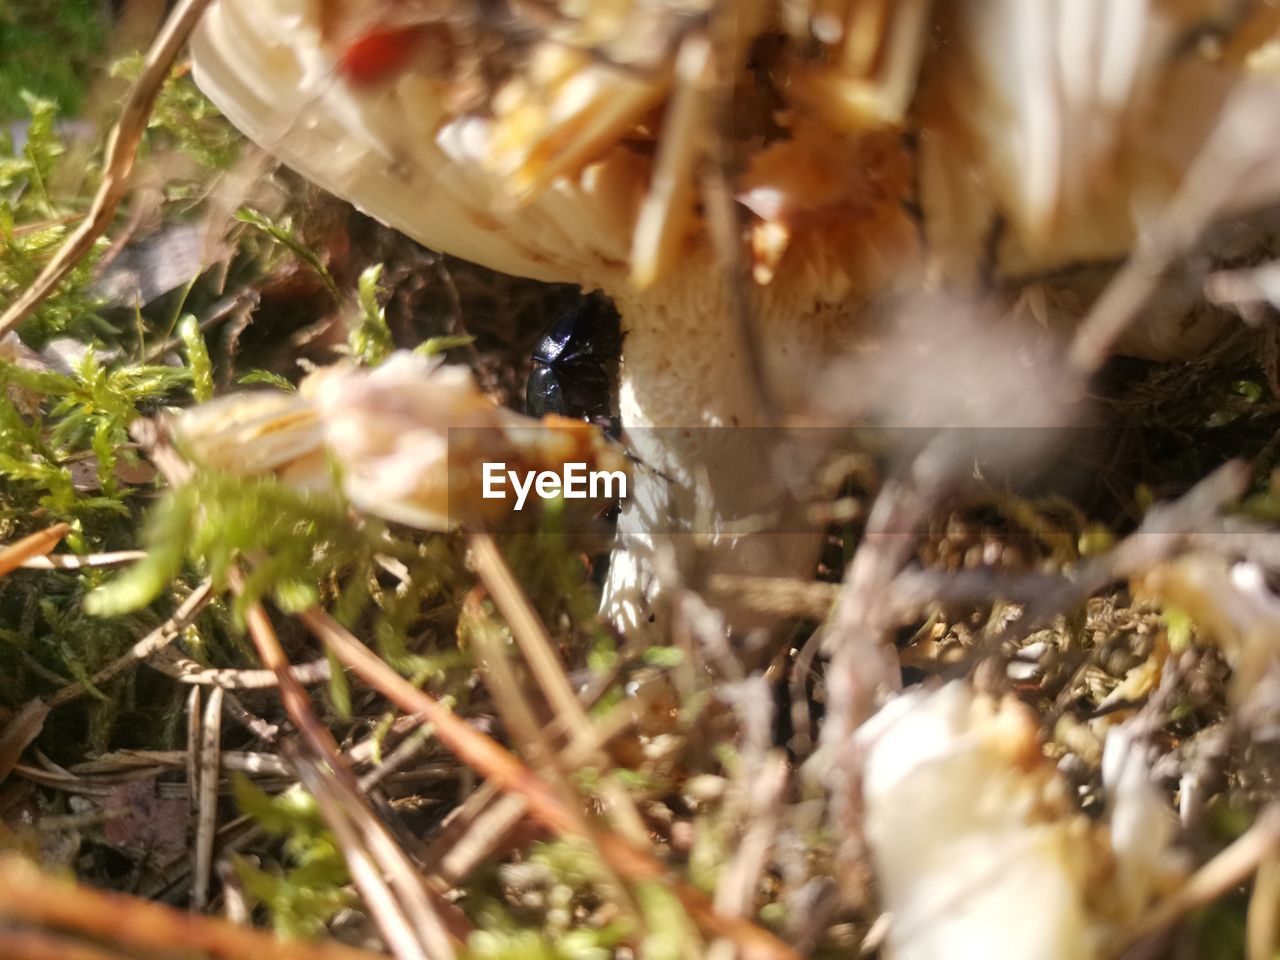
{"x": 574, "y": 362}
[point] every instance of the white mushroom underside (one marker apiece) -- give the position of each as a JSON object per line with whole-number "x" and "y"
{"x": 388, "y": 152}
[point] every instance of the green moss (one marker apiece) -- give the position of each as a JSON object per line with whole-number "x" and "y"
{"x": 48, "y": 49}
{"x": 34, "y": 223}
{"x": 306, "y": 890}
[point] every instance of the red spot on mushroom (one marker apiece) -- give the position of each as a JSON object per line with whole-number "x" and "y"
{"x": 379, "y": 54}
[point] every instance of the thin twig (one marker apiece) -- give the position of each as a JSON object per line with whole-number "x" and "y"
{"x": 528, "y": 631}
{"x": 191, "y": 757}
{"x": 187, "y": 670}
{"x": 532, "y": 638}
{"x": 406, "y": 917}
{"x": 400, "y": 903}
{"x": 122, "y": 148}
{"x": 739, "y": 880}
{"x": 29, "y": 228}
{"x": 725, "y": 227}
{"x": 487, "y": 818}
{"x": 70, "y": 561}
{"x": 723, "y": 213}
{"x": 240, "y": 305}
{"x": 154, "y": 641}
{"x": 245, "y": 761}
{"x": 206, "y": 789}
{"x": 531, "y": 735}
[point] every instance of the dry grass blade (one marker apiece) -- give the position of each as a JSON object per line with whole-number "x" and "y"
{"x": 39, "y": 945}
{"x": 723, "y": 222}
{"x": 400, "y": 903}
{"x": 665, "y": 215}
{"x": 510, "y": 700}
{"x": 484, "y": 821}
{"x": 519, "y": 718}
{"x": 531, "y": 636}
{"x": 489, "y": 759}
{"x": 401, "y": 907}
{"x": 528, "y": 632}
{"x": 16, "y": 554}
{"x": 67, "y": 561}
{"x": 292, "y": 695}
{"x": 30, "y": 895}
{"x": 206, "y": 789}
{"x": 229, "y": 760}
{"x": 1232, "y": 866}
{"x": 29, "y": 228}
{"x": 19, "y": 732}
{"x": 122, "y": 148}
{"x": 740, "y": 879}
{"x": 487, "y": 819}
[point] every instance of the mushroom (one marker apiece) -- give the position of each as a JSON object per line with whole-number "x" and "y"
{"x": 646, "y": 148}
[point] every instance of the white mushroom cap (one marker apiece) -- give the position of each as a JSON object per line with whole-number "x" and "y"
{"x": 1055, "y": 115}
{"x": 392, "y": 150}
{"x": 551, "y": 185}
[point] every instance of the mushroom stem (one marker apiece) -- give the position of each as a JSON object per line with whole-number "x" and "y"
{"x": 714, "y": 494}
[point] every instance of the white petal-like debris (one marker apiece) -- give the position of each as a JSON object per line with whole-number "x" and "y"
{"x": 255, "y": 433}
{"x": 408, "y": 440}
{"x": 973, "y": 851}
{"x": 979, "y": 850}
{"x": 1140, "y": 825}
